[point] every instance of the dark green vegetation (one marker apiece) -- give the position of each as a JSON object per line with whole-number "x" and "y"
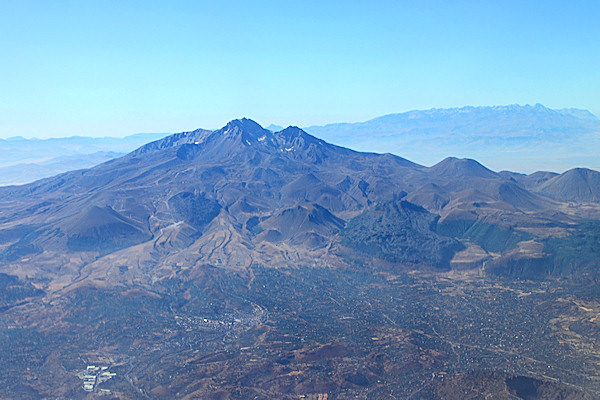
{"x": 196, "y": 210}
{"x": 400, "y": 232}
{"x": 244, "y": 263}
{"x": 574, "y": 256}
{"x": 578, "y": 252}
{"x": 13, "y": 291}
{"x": 491, "y": 237}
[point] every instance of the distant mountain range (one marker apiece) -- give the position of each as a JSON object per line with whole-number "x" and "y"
{"x": 517, "y": 138}
{"x": 21, "y": 173}
{"x": 25, "y": 160}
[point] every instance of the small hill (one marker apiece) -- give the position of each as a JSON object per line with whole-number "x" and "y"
{"x": 306, "y": 223}
{"x": 531, "y": 181}
{"x": 577, "y": 185}
{"x": 452, "y": 167}
{"x": 102, "y": 229}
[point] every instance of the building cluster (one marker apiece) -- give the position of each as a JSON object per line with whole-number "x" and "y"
{"x": 93, "y": 376}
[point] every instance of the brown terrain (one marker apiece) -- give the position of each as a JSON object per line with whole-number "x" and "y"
{"x": 244, "y": 263}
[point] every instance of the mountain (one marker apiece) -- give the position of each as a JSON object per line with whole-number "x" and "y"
{"x": 525, "y": 138}
{"x": 577, "y": 185}
{"x": 275, "y": 128}
{"x": 581, "y": 114}
{"x": 247, "y": 170}
{"x": 243, "y": 262}
{"x": 26, "y": 160}
{"x": 452, "y": 167}
{"x": 271, "y": 189}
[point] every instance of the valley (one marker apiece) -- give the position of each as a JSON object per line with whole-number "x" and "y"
{"x": 351, "y": 333}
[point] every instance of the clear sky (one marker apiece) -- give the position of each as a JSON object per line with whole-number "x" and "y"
{"x": 113, "y": 68}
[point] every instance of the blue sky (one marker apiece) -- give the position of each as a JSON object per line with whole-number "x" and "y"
{"x": 108, "y": 68}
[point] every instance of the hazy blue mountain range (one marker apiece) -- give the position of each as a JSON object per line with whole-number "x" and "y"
{"x": 519, "y": 138}
{"x": 27, "y": 172}
{"x": 25, "y": 160}
{"x": 274, "y": 128}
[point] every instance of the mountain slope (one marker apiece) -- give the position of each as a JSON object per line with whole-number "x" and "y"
{"x": 237, "y": 173}
{"x": 401, "y": 232}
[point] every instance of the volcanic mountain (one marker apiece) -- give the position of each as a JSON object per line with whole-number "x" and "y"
{"x": 578, "y": 185}
{"x": 242, "y": 194}
{"x": 250, "y": 263}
